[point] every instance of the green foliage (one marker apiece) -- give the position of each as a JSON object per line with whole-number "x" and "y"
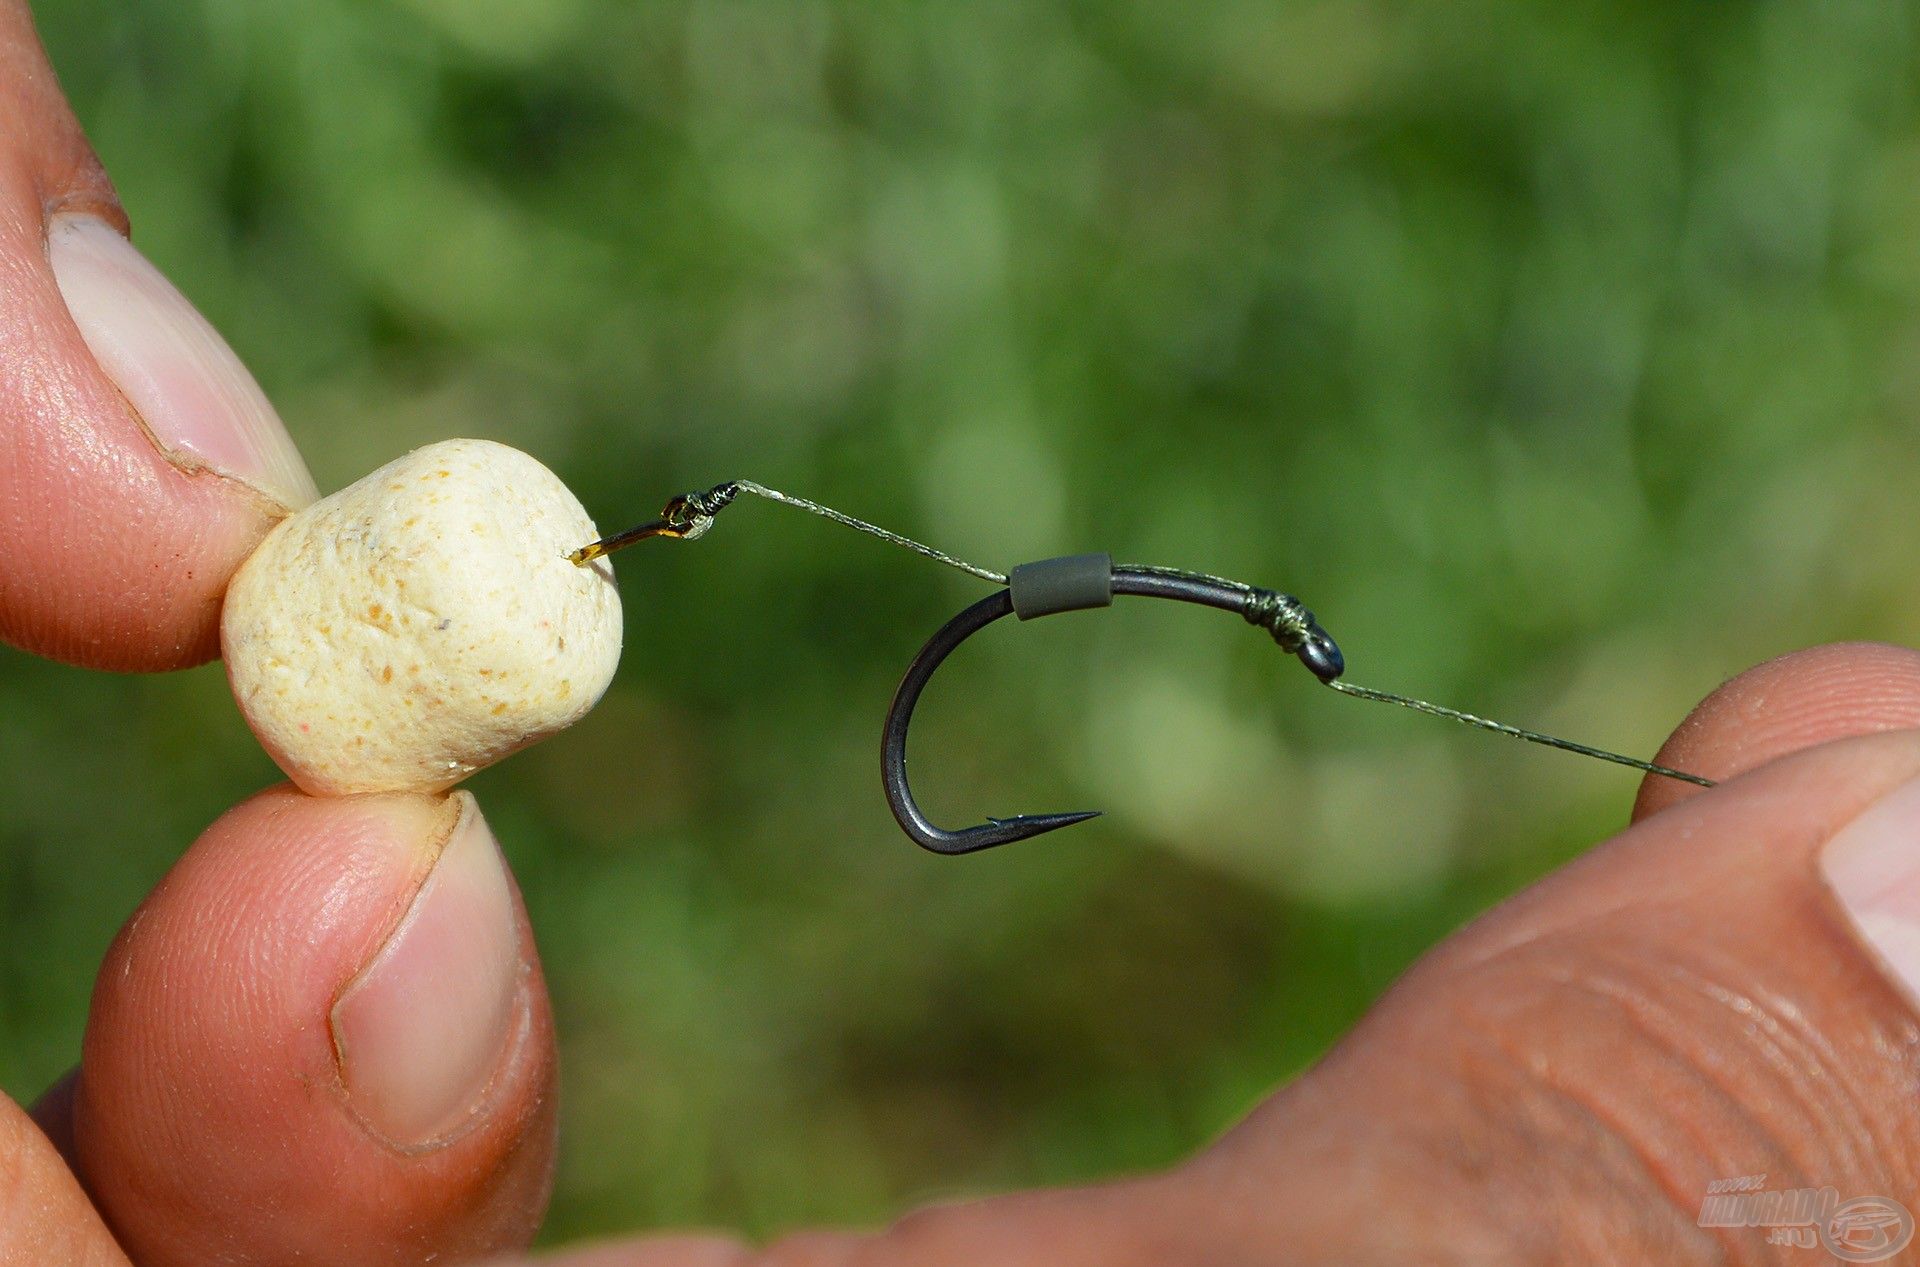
{"x": 1560, "y": 356}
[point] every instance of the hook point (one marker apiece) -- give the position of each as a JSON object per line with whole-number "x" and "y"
{"x": 990, "y": 834}
{"x": 1034, "y": 824}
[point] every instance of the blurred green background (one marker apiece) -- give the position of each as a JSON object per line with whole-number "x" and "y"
{"x": 1564, "y": 358}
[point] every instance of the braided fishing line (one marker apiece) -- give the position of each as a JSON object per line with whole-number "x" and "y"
{"x": 1292, "y": 626}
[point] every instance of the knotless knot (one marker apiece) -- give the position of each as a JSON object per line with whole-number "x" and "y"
{"x": 1281, "y": 615}
{"x": 1294, "y": 629}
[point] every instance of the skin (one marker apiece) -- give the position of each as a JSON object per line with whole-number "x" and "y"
{"x": 1557, "y": 1082}
{"x": 145, "y": 568}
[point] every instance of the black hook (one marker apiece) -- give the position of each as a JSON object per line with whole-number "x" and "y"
{"x": 1074, "y": 583}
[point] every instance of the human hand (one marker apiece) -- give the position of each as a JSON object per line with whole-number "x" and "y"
{"x": 1727, "y": 989}
{"x": 324, "y": 1036}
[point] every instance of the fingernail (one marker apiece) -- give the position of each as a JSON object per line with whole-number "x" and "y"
{"x": 423, "y": 1028}
{"x": 1873, "y": 867}
{"x": 198, "y": 402}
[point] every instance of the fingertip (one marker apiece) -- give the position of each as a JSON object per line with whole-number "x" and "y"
{"x": 1795, "y": 701}
{"x": 139, "y": 462}
{"x": 222, "y": 1109}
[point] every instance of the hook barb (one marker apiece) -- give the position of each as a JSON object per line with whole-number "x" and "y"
{"x": 1080, "y": 582}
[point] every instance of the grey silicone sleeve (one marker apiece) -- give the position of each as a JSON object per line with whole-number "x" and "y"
{"x": 1070, "y": 583}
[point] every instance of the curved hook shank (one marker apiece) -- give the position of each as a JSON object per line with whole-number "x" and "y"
{"x": 1313, "y": 647}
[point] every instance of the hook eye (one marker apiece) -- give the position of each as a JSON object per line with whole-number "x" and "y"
{"x": 1322, "y": 655}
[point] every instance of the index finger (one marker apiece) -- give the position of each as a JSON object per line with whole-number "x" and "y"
{"x": 139, "y": 462}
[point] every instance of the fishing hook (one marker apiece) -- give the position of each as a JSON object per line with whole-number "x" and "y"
{"x": 1074, "y": 583}
{"x": 1071, "y": 583}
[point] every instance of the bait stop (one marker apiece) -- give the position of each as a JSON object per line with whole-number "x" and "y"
{"x": 1070, "y": 583}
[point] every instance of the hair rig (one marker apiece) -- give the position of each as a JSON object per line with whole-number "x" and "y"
{"x": 1074, "y": 582}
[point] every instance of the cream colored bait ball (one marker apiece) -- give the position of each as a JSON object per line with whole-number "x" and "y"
{"x": 422, "y": 623}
